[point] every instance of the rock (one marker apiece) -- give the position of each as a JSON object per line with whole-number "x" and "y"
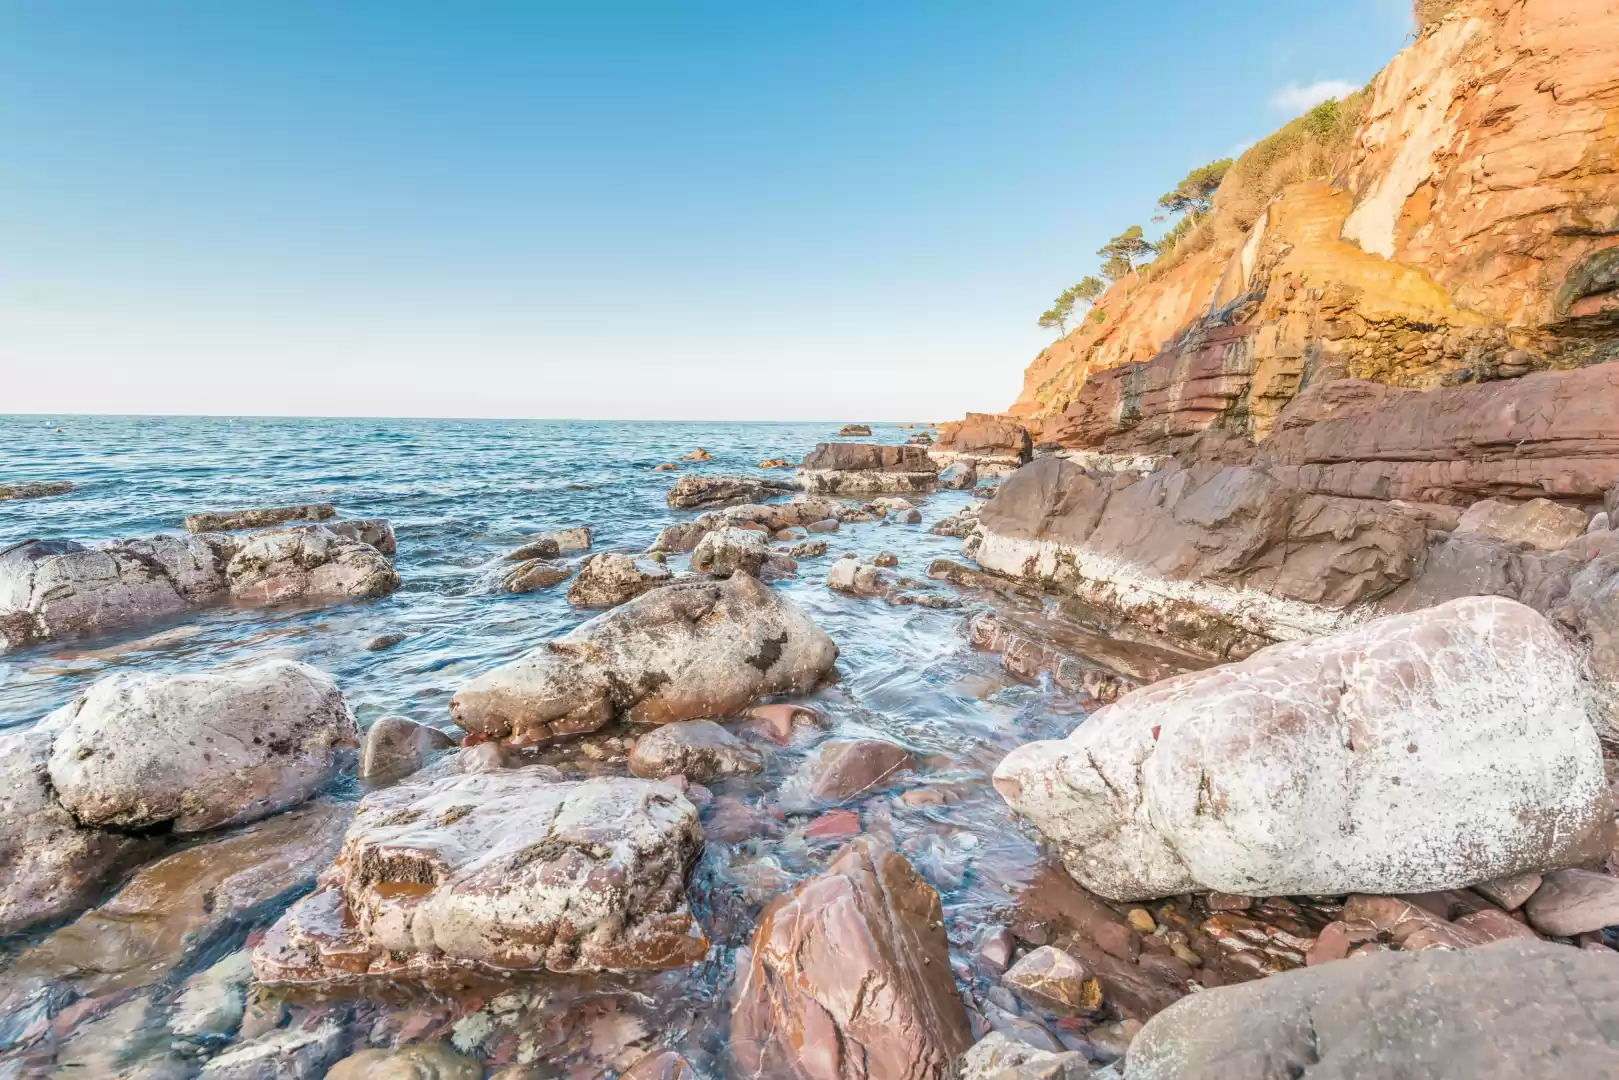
{"x": 283, "y": 1054}
{"x": 667, "y": 466}
{"x": 549, "y": 545}
{"x": 376, "y": 532}
{"x": 850, "y": 575}
{"x": 1439, "y": 748}
{"x": 698, "y": 454}
{"x": 395, "y": 747}
{"x": 534, "y": 574}
{"x": 1547, "y": 1009}
{"x": 885, "y": 559}
{"x": 851, "y": 468}
{"x": 993, "y": 444}
{"x": 1539, "y": 523}
{"x": 697, "y": 492}
{"x": 1571, "y": 902}
{"x": 1051, "y": 979}
{"x": 606, "y": 581}
{"x": 775, "y": 463}
{"x": 779, "y": 723}
{"x": 959, "y": 475}
{"x": 770, "y": 517}
{"x": 992, "y": 953}
{"x": 195, "y": 752}
{"x": 504, "y": 871}
{"x": 854, "y": 431}
{"x": 429, "y": 1061}
{"x": 700, "y": 750}
{"x": 963, "y": 523}
{"x": 913, "y": 516}
{"x": 1600, "y": 522}
{"x": 211, "y": 1002}
{"x": 308, "y": 562}
{"x": 727, "y": 551}
{"x": 232, "y": 520}
{"x": 172, "y": 911}
{"x": 40, "y": 489}
{"x": 829, "y": 525}
{"x": 842, "y": 769}
{"x": 664, "y": 1065}
{"x": 849, "y": 978}
{"x": 1510, "y": 892}
{"x": 1001, "y": 1057}
{"x": 50, "y": 867}
{"x": 1140, "y": 920}
{"x": 682, "y": 652}
{"x": 384, "y": 641}
{"x": 809, "y": 549}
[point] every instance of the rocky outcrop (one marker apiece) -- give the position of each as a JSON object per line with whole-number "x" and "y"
{"x": 34, "y": 489}
{"x": 992, "y": 445}
{"x": 308, "y": 563}
{"x": 697, "y": 492}
{"x": 1419, "y": 752}
{"x": 729, "y": 550}
{"x": 232, "y": 520}
{"x": 1001, "y": 1057}
{"x": 608, "y": 580}
{"x": 682, "y": 652}
{"x": 863, "y": 468}
{"x": 195, "y": 752}
{"x": 505, "y": 871}
{"x": 849, "y": 979}
{"x": 557, "y": 542}
{"x": 800, "y": 511}
{"x": 1523, "y": 1006}
{"x": 854, "y": 431}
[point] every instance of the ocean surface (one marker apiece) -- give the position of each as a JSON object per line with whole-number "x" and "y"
{"x": 461, "y": 494}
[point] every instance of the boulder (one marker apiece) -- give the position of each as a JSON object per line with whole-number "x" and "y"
{"x": 378, "y": 532}
{"x": 698, "y": 454}
{"x": 959, "y": 475}
{"x": 296, "y": 1053}
{"x": 1001, "y": 1057}
{"x": 1539, "y": 523}
{"x": 1051, "y": 979}
{"x": 395, "y": 747}
{"x": 232, "y": 520}
{"x": 195, "y": 752}
{"x": 697, "y": 492}
{"x": 801, "y": 510}
{"x": 34, "y": 489}
{"x": 1571, "y": 902}
{"x": 1521, "y": 1008}
{"x": 534, "y": 574}
{"x": 428, "y": 1061}
{"x": 728, "y": 550}
{"x": 857, "y": 468}
{"x": 609, "y": 580}
{"x": 839, "y": 770}
{"x": 502, "y": 871}
{"x": 699, "y": 750}
{"x": 854, "y": 431}
{"x": 685, "y": 651}
{"x": 849, "y": 978}
{"x": 1417, "y": 752}
{"x": 308, "y": 562}
{"x": 808, "y": 549}
{"x": 850, "y": 575}
{"x": 994, "y": 445}
{"x": 662, "y": 1065}
{"x": 549, "y": 545}
{"x": 210, "y": 1005}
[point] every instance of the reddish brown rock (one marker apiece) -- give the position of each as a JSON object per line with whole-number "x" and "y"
{"x": 851, "y": 468}
{"x": 849, "y": 979}
{"x": 842, "y": 769}
{"x": 1052, "y": 979}
{"x": 700, "y": 750}
{"x": 663, "y": 1065}
{"x": 778, "y": 722}
{"x": 1573, "y": 902}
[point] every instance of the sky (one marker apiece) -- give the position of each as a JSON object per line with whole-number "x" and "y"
{"x": 616, "y": 209}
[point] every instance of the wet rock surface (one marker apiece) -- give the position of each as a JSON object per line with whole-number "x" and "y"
{"x": 697, "y": 491}
{"x": 34, "y": 489}
{"x": 232, "y": 520}
{"x": 608, "y": 580}
{"x": 394, "y": 747}
{"x": 855, "y": 468}
{"x": 729, "y": 550}
{"x": 699, "y": 750}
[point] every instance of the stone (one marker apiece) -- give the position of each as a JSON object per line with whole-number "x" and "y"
{"x": 1002, "y": 1057}
{"x": 1219, "y": 901}
{"x": 608, "y": 580}
{"x": 196, "y": 752}
{"x": 699, "y": 750}
{"x": 697, "y": 492}
{"x": 997, "y": 444}
{"x": 534, "y": 574}
{"x": 1509, "y": 892}
{"x": 839, "y": 770}
{"x": 1051, "y": 979}
{"x": 959, "y": 475}
{"x": 395, "y": 747}
{"x": 1414, "y": 753}
{"x": 212, "y": 1002}
{"x": 775, "y": 463}
{"x": 1539, "y": 523}
{"x": 307, "y": 562}
{"x": 913, "y": 516}
{"x": 886, "y": 559}
{"x": 992, "y": 952}
{"x": 172, "y": 911}
{"x": 232, "y": 520}
{"x": 384, "y": 641}
{"x": 500, "y": 871}
{"x": 698, "y": 454}
{"x": 854, "y": 430}
{"x": 375, "y": 532}
{"x": 770, "y": 517}
{"x": 858, "y": 468}
{"x": 780, "y": 722}
{"x": 682, "y": 652}
{"x": 1571, "y": 902}
{"x": 829, "y": 525}
{"x": 850, "y": 575}
{"x": 1140, "y": 921}
{"x": 849, "y": 978}
{"x": 1600, "y": 522}
{"x": 428, "y": 1061}
{"x": 1548, "y": 1010}
{"x": 1331, "y": 944}
{"x": 667, "y": 466}
{"x": 283, "y": 1054}
{"x": 809, "y": 549}
{"x": 728, "y": 550}
{"x": 35, "y": 489}
{"x": 665, "y": 1064}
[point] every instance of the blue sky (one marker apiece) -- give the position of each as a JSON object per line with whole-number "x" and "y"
{"x": 628, "y": 210}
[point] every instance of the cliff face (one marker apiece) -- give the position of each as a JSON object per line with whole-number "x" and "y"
{"x": 1470, "y": 233}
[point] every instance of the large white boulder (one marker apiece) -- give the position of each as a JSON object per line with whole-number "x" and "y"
{"x": 198, "y": 751}
{"x": 1417, "y": 752}
{"x": 685, "y": 651}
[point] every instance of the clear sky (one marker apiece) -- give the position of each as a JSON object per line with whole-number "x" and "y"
{"x": 635, "y": 209}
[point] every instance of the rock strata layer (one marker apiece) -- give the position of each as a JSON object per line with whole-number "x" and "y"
{"x": 863, "y": 468}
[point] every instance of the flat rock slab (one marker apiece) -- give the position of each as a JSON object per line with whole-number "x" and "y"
{"x": 1571, "y": 902}
{"x": 231, "y": 520}
{"x": 1518, "y": 1008}
{"x": 39, "y": 489}
{"x": 504, "y": 871}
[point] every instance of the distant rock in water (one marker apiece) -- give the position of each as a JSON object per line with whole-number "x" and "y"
{"x": 775, "y": 463}
{"x": 231, "y": 520}
{"x": 685, "y": 651}
{"x": 697, "y": 492}
{"x": 549, "y": 545}
{"x": 853, "y": 431}
{"x": 698, "y": 454}
{"x": 34, "y": 490}
{"x": 863, "y": 468}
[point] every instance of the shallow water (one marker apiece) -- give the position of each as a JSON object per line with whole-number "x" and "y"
{"x": 460, "y": 494}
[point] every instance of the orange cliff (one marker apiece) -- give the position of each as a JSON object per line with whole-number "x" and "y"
{"x": 1469, "y": 232}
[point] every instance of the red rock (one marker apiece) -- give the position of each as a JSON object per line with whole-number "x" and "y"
{"x": 1493, "y": 924}
{"x": 1219, "y": 901}
{"x": 1573, "y": 902}
{"x": 843, "y": 769}
{"x": 1118, "y": 940}
{"x": 1331, "y": 944}
{"x": 834, "y": 825}
{"x": 778, "y": 722}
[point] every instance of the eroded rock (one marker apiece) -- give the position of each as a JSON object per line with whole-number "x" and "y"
{"x": 429, "y": 1061}
{"x": 232, "y": 520}
{"x": 395, "y": 747}
{"x": 699, "y": 750}
{"x": 839, "y": 770}
{"x": 858, "y": 468}
{"x": 1571, "y": 902}
{"x": 34, "y": 489}
{"x": 728, "y": 550}
{"x": 1539, "y": 523}
{"x": 608, "y": 580}
{"x": 308, "y": 562}
{"x": 695, "y": 491}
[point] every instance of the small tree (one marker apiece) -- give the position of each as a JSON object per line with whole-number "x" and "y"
{"x": 1088, "y": 290}
{"x": 1060, "y": 312}
{"x": 1121, "y": 253}
{"x": 1056, "y": 317}
{"x": 1194, "y": 196}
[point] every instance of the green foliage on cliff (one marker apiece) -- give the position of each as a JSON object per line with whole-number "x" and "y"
{"x": 1057, "y": 316}
{"x": 1194, "y": 195}
{"x": 1428, "y": 12}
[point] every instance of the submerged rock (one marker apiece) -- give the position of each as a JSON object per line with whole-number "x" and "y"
{"x": 609, "y": 580}
{"x": 395, "y": 747}
{"x": 37, "y": 489}
{"x": 195, "y": 752}
{"x": 851, "y": 468}
{"x": 697, "y": 492}
{"x": 377, "y": 532}
{"x": 1527, "y": 1008}
{"x": 432, "y": 1061}
{"x": 685, "y": 651}
{"x": 1418, "y": 752}
{"x": 284, "y": 1054}
{"x": 839, "y": 770}
{"x": 849, "y": 978}
{"x": 505, "y": 871}
{"x": 231, "y": 520}
{"x": 699, "y": 750}
{"x": 728, "y": 550}
{"x": 534, "y": 574}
